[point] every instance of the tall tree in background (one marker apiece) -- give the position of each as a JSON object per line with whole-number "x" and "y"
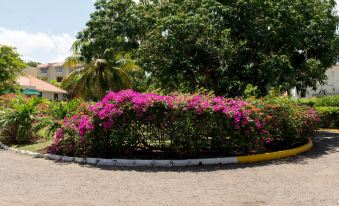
{"x": 97, "y": 76}
{"x": 221, "y": 45}
{"x": 32, "y": 63}
{"x": 10, "y": 66}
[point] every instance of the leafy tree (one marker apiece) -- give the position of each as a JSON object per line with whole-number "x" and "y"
{"x": 10, "y": 66}
{"x": 220, "y": 45}
{"x": 98, "y": 75}
{"x": 32, "y": 63}
{"x": 286, "y": 43}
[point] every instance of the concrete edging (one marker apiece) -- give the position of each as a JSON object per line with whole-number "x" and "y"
{"x": 168, "y": 163}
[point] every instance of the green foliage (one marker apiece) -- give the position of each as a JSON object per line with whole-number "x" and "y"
{"x": 219, "y": 45}
{"x": 99, "y": 76}
{"x": 287, "y": 120}
{"x": 329, "y": 116}
{"x": 55, "y": 83}
{"x": 326, "y": 101}
{"x": 183, "y": 126}
{"x": 17, "y": 124}
{"x": 56, "y": 113}
{"x": 10, "y": 66}
{"x": 32, "y": 63}
{"x": 308, "y": 101}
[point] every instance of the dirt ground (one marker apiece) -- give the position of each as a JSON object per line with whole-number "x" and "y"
{"x": 309, "y": 179}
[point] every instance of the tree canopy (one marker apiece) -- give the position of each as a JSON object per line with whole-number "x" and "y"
{"x": 97, "y": 76}
{"x": 10, "y": 66}
{"x": 220, "y": 45}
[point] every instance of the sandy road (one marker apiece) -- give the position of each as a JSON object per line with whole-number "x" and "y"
{"x": 309, "y": 179}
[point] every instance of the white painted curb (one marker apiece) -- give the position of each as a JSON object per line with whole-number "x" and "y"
{"x": 162, "y": 163}
{"x": 67, "y": 159}
{"x": 127, "y": 162}
{"x": 92, "y": 161}
{"x": 79, "y": 160}
{"x": 106, "y": 162}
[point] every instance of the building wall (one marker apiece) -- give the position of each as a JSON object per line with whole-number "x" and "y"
{"x": 331, "y": 87}
{"x": 50, "y": 96}
{"x": 53, "y": 73}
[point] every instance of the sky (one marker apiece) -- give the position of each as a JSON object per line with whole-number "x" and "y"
{"x": 43, "y": 30}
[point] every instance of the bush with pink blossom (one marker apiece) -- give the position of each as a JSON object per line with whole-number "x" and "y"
{"x": 130, "y": 124}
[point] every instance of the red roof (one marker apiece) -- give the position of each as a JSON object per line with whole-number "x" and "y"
{"x": 31, "y": 82}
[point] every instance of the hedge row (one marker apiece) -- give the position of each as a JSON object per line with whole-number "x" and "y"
{"x": 326, "y": 101}
{"x": 327, "y": 108}
{"x": 131, "y": 124}
{"x": 329, "y": 116}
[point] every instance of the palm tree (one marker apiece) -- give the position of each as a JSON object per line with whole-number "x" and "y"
{"x": 97, "y": 76}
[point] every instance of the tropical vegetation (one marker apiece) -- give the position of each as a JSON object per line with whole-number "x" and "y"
{"x": 183, "y": 79}
{"x": 327, "y": 108}
{"x": 17, "y": 123}
{"x": 97, "y": 76}
{"x": 223, "y": 46}
{"x": 10, "y": 66}
{"x": 129, "y": 124}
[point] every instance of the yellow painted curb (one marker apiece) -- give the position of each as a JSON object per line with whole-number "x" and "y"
{"x": 329, "y": 130}
{"x": 276, "y": 155}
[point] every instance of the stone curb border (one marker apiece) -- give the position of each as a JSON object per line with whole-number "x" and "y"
{"x": 167, "y": 163}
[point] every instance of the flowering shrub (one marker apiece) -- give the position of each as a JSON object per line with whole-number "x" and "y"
{"x": 287, "y": 122}
{"x": 327, "y": 108}
{"x": 130, "y": 123}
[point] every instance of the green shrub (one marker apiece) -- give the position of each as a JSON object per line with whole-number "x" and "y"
{"x": 328, "y": 101}
{"x": 327, "y": 108}
{"x": 130, "y": 123}
{"x": 311, "y": 102}
{"x": 329, "y": 116}
{"x": 288, "y": 122}
{"x": 56, "y": 112}
{"x": 16, "y": 125}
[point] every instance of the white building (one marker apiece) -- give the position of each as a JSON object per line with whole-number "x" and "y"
{"x": 54, "y": 71}
{"x": 330, "y": 88}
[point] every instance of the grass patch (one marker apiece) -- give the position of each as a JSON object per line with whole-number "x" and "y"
{"x": 34, "y": 147}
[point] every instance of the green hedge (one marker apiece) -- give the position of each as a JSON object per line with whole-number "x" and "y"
{"x": 327, "y": 108}
{"x": 329, "y": 116}
{"x": 131, "y": 124}
{"x": 327, "y": 101}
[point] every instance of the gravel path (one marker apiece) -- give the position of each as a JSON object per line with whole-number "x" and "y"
{"x": 309, "y": 179}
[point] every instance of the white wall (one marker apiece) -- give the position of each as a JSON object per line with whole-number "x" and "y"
{"x": 331, "y": 87}
{"x": 50, "y": 96}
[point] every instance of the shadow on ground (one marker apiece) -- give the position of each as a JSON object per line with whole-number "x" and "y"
{"x": 325, "y": 143}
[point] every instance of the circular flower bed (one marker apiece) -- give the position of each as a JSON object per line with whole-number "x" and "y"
{"x": 131, "y": 124}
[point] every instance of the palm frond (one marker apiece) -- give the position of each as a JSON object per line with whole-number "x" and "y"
{"x": 74, "y": 61}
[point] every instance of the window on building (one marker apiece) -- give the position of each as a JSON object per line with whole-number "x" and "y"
{"x": 56, "y": 97}
{"x": 59, "y": 79}
{"x": 59, "y": 69}
{"x": 44, "y": 70}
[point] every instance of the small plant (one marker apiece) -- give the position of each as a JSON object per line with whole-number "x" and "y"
{"x": 57, "y": 112}
{"x": 17, "y": 123}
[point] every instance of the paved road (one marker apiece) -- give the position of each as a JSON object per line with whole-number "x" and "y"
{"x": 309, "y": 179}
